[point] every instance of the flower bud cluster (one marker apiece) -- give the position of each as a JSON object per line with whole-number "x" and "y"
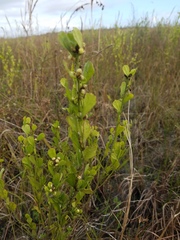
{"x": 50, "y": 189}
{"x": 83, "y": 92}
{"x": 79, "y": 74}
{"x": 55, "y": 161}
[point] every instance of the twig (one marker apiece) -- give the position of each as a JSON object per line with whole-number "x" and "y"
{"x": 125, "y": 220}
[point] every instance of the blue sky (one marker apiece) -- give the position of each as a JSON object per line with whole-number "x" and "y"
{"x": 50, "y": 15}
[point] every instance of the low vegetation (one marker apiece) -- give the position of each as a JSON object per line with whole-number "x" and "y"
{"x": 89, "y": 140}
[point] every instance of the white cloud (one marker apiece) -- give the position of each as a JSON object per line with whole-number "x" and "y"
{"x": 50, "y": 14}
{"x": 4, "y": 4}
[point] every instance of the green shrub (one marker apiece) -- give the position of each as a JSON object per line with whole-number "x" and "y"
{"x": 10, "y": 69}
{"x": 61, "y": 178}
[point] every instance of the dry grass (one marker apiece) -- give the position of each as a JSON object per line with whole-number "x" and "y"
{"x": 154, "y": 198}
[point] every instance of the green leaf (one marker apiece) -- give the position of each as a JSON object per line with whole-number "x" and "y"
{"x": 68, "y": 42}
{"x": 12, "y": 206}
{"x": 87, "y": 191}
{"x": 64, "y": 163}
{"x": 73, "y": 123}
{"x": 26, "y": 120}
{"x": 26, "y": 129}
{"x": 32, "y": 159}
{"x": 81, "y": 184}
{"x": 123, "y": 88}
{"x": 128, "y": 97}
{"x": 120, "y": 129}
{"x": 118, "y": 150}
{"x": 34, "y": 127}
{"x": 88, "y": 71}
{"x": 133, "y": 71}
{"x": 29, "y": 148}
{"x": 88, "y": 103}
{"x": 93, "y": 171}
{"x": 79, "y": 196}
{"x": 26, "y": 162}
{"x": 4, "y": 194}
{"x": 63, "y": 198}
{"x": 57, "y": 179}
{"x": 52, "y": 153}
{"x": 126, "y": 70}
{"x": 34, "y": 183}
{"x": 50, "y": 167}
{"x": 39, "y": 164}
{"x": 86, "y": 170}
{"x": 75, "y": 139}
{"x": 90, "y": 172}
{"x": 35, "y": 208}
{"x": 95, "y": 133}
{"x": 62, "y": 38}
{"x": 64, "y": 83}
{"x": 78, "y": 36}
{"x": 21, "y": 139}
{"x": 90, "y": 152}
{"x": 55, "y": 124}
{"x": 72, "y": 41}
{"x": 28, "y": 218}
{"x": 114, "y": 162}
{"x": 40, "y": 137}
{"x": 71, "y": 179}
{"x": 30, "y": 140}
{"x": 117, "y": 104}
{"x": 86, "y": 130}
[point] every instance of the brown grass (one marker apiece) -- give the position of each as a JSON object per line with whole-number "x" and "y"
{"x": 154, "y": 203}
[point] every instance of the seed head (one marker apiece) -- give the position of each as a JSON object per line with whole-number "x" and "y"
{"x": 79, "y": 71}
{"x": 83, "y": 92}
{"x": 82, "y": 77}
{"x": 57, "y": 160}
{"x": 85, "y": 86}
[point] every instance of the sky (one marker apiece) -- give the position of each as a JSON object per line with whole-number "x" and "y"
{"x": 56, "y": 15}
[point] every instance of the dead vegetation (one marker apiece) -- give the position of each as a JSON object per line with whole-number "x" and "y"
{"x": 154, "y": 203}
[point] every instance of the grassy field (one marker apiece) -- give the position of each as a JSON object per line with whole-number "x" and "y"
{"x": 30, "y": 73}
